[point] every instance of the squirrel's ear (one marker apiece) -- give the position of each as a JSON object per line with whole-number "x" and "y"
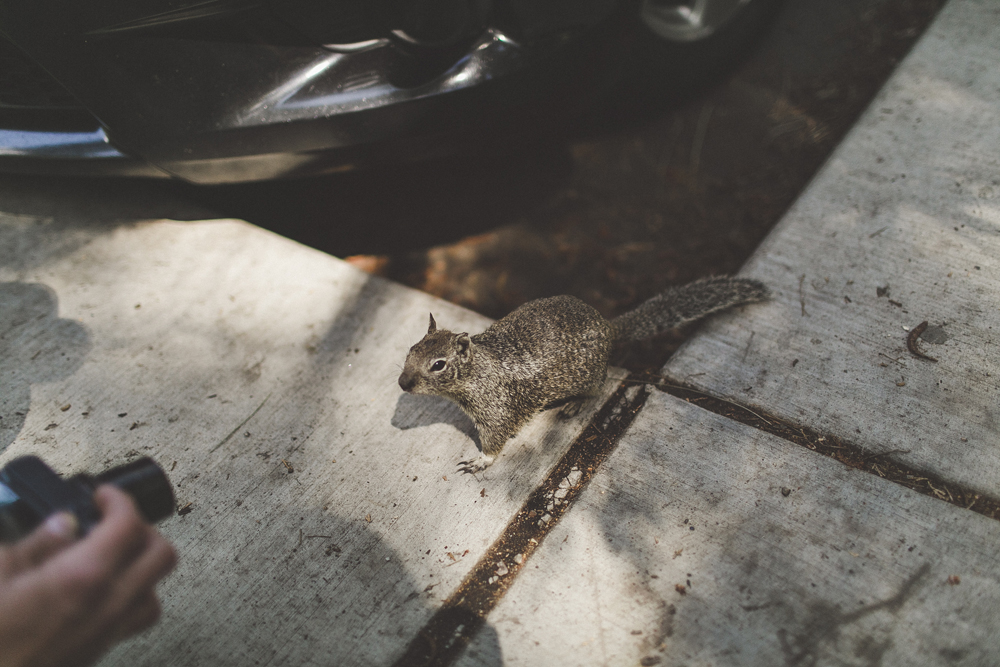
{"x": 464, "y": 343}
{"x": 432, "y": 327}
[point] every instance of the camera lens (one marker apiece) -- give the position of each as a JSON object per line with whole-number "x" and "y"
{"x": 148, "y": 485}
{"x": 30, "y": 491}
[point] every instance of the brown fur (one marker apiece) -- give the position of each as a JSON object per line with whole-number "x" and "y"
{"x": 548, "y": 351}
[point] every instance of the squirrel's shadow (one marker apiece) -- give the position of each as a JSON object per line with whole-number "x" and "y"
{"x": 414, "y": 411}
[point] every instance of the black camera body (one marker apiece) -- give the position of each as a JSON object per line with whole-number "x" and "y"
{"x": 30, "y": 491}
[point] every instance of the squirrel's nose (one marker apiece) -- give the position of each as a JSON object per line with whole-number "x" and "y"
{"x": 407, "y": 381}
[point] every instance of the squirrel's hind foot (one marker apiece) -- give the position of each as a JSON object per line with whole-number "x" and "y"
{"x": 571, "y": 409}
{"x": 473, "y": 466}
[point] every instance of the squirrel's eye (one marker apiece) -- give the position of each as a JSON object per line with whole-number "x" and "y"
{"x": 438, "y": 365}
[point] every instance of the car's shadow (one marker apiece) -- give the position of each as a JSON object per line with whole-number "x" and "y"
{"x": 398, "y": 208}
{"x": 493, "y": 180}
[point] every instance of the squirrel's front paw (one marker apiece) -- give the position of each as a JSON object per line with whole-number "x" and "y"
{"x": 473, "y": 466}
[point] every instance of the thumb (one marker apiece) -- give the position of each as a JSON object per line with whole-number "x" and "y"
{"x": 56, "y": 533}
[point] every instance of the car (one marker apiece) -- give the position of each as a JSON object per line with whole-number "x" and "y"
{"x": 225, "y": 91}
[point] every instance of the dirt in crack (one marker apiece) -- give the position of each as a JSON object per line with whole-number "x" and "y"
{"x": 452, "y": 627}
{"x": 881, "y": 464}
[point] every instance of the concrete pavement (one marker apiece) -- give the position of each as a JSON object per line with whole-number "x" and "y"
{"x": 322, "y": 520}
{"x": 707, "y": 541}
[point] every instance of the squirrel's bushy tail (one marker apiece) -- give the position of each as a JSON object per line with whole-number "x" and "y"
{"x": 681, "y": 305}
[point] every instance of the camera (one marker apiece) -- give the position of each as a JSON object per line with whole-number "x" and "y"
{"x": 30, "y": 491}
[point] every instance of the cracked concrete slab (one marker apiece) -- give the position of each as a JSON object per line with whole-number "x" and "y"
{"x": 901, "y": 227}
{"x": 704, "y": 541}
{"x": 323, "y": 520}
{"x": 323, "y": 517}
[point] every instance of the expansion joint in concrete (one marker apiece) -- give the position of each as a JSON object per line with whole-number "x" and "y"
{"x": 881, "y": 464}
{"x": 455, "y": 623}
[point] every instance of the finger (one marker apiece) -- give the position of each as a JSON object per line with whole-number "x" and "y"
{"x": 92, "y": 642}
{"x": 143, "y": 614}
{"x": 136, "y": 580}
{"x": 129, "y": 604}
{"x": 156, "y": 561}
{"x": 109, "y": 612}
{"x": 52, "y": 536}
{"x": 118, "y": 603}
{"x": 119, "y": 537}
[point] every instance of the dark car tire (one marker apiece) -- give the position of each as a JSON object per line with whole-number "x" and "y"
{"x": 691, "y": 55}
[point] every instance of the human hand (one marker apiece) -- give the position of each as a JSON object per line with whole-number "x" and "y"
{"x": 65, "y": 601}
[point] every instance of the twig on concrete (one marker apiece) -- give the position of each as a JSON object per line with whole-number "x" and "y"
{"x": 911, "y": 341}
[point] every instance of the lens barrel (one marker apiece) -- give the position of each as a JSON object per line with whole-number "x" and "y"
{"x": 30, "y": 491}
{"x": 147, "y": 483}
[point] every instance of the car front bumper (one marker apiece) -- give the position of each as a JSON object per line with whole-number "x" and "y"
{"x": 215, "y": 110}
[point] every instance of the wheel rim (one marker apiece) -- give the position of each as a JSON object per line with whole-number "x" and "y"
{"x": 688, "y": 20}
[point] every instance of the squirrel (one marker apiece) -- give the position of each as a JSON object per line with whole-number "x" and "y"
{"x": 548, "y": 352}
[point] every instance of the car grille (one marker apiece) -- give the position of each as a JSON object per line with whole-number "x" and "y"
{"x": 25, "y": 85}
